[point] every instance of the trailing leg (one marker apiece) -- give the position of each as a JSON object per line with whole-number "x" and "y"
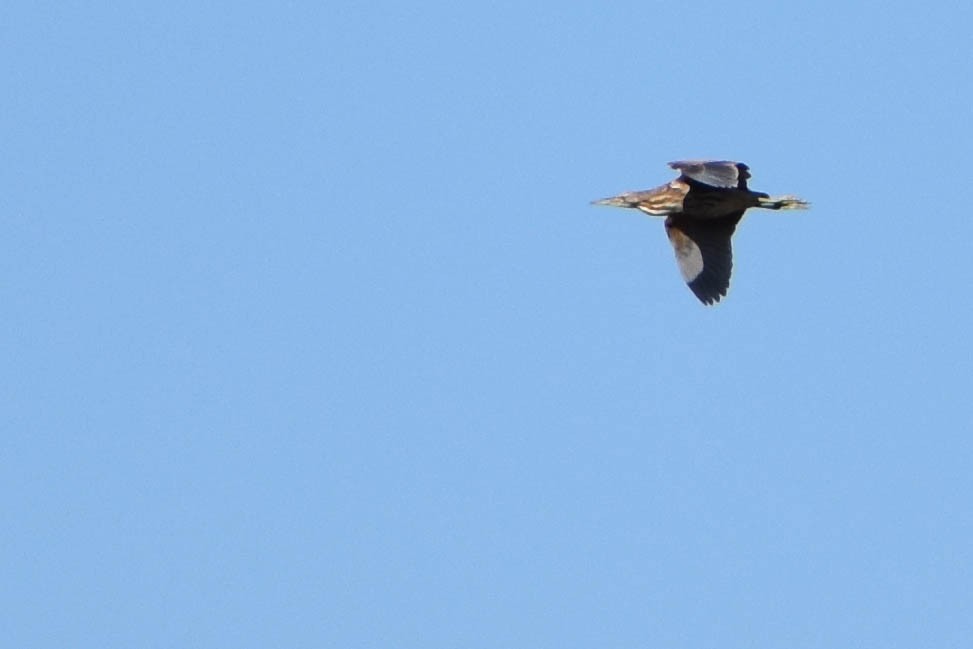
{"x": 782, "y": 203}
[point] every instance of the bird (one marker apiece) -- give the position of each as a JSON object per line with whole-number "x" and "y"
{"x": 702, "y": 208}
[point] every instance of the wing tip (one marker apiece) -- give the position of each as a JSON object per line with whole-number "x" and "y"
{"x": 706, "y": 294}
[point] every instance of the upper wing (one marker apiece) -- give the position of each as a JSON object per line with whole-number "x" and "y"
{"x": 715, "y": 173}
{"x": 704, "y": 253}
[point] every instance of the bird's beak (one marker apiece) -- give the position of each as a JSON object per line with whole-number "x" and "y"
{"x": 614, "y": 201}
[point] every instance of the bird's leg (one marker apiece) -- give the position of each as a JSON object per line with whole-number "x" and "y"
{"x": 783, "y": 203}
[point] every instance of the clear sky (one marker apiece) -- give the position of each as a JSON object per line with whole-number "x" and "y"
{"x": 310, "y": 337}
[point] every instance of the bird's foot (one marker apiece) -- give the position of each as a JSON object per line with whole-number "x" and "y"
{"x": 784, "y": 203}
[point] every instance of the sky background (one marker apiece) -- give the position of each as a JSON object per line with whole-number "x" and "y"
{"x": 311, "y": 338}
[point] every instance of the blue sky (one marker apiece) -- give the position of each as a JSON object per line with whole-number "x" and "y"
{"x": 312, "y": 339}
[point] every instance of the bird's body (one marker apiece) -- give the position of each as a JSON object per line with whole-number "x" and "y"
{"x": 702, "y": 208}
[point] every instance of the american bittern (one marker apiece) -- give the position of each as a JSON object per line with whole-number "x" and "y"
{"x": 702, "y": 208}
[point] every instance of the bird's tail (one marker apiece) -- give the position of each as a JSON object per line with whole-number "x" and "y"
{"x": 783, "y": 203}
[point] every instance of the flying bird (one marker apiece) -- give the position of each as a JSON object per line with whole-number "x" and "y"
{"x": 702, "y": 208}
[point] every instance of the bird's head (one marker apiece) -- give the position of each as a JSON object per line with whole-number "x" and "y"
{"x": 628, "y": 199}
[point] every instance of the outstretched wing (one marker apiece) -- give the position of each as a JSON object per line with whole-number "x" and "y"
{"x": 704, "y": 253}
{"x": 715, "y": 173}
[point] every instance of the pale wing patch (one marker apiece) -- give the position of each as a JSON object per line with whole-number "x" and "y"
{"x": 715, "y": 173}
{"x": 688, "y": 255}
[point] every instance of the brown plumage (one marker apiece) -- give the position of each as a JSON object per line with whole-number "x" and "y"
{"x": 702, "y": 208}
